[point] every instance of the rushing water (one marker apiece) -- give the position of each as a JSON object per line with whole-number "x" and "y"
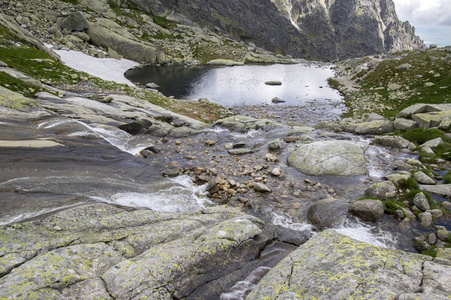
{"x": 241, "y": 85}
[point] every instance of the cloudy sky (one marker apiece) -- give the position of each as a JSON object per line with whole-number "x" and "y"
{"x": 431, "y": 18}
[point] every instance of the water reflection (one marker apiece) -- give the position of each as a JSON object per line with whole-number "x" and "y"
{"x": 240, "y": 85}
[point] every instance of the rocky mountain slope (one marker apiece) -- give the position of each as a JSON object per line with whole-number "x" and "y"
{"x": 318, "y": 29}
{"x": 344, "y": 29}
{"x": 198, "y": 31}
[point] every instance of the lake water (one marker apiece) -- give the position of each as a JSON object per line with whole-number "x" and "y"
{"x": 241, "y": 85}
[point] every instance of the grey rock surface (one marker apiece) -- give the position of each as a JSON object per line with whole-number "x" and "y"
{"x": 99, "y": 250}
{"x": 344, "y": 158}
{"x": 333, "y": 266}
{"x": 368, "y": 210}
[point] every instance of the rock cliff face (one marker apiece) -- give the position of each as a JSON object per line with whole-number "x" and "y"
{"x": 315, "y": 29}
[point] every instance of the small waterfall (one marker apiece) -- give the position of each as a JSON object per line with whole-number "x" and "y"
{"x": 366, "y": 233}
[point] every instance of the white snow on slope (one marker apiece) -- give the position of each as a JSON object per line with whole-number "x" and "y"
{"x": 104, "y": 68}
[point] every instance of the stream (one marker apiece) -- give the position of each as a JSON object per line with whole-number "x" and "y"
{"x": 95, "y": 161}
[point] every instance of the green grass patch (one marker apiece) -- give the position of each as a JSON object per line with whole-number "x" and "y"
{"x": 419, "y": 136}
{"x": 430, "y": 252}
{"x": 431, "y": 66}
{"x": 74, "y": 2}
{"x": 163, "y": 22}
{"x": 392, "y": 205}
{"x": 447, "y": 178}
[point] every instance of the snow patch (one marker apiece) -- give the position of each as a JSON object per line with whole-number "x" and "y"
{"x": 105, "y": 68}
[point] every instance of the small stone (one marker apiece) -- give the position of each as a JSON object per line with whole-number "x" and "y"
{"x": 436, "y": 213}
{"x": 178, "y": 143}
{"x": 210, "y": 142}
{"x": 428, "y": 84}
{"x": 271, "y": 157}
{"x": 277, "y": 100}
{"x": 447, "y": 205}
{"x": 432, "y": 238}
{"x": 273, "y": 82}
{"x": 57, "y": 228}
{"x": 276, "y": 172}
{"x": 291, "y": 139}
{"x": 260, "y": 187}
{"x": 425, "y": 220}
{"x": 274, "y": 145}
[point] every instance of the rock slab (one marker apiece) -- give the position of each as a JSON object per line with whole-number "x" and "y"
{"x": 333, "y": 266}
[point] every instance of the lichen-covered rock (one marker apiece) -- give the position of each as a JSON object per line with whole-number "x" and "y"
{"x": 368, "y": 210}
{"x": 421, "y": 202}
{"x": 405, "y": 124}
{"x": 422, "y": 178}
{"x": 344, "y": 158}
{"x": 398, "y": 178}
{"x": 432, "y": 119}
{"x": 394, "y": 141}
{"x": 333, "y": 266}
{"x": 99, "y": 250}
{"x": 374, "y": 127}
{"x": 381, "y": 190}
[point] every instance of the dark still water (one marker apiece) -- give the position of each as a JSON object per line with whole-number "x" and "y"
{"x": 241, "y": 85}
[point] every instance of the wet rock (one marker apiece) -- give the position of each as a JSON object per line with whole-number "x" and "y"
{"x": 240, "y": 151}
{"x": 273, "y": 82}
{"x": 398, "y": 178}
{"x": 422, "y": 178}
{"x": 260, "y": 187}
{"x": 171, "y": 172}
{"x": 277, "y": 100}
{"x": 152, "y": 85}
{"x": 425, "y": 219}
{"x": 291, "y": 139}
{"x": 368, "y": 210}
{"x": 333, "y": 266}
{"x": 321, "y": 158}
{"x": 328, "y": 213}
{"x": 136, "y": 127}
{"x": 421, "y": 201}
{"x": 381, "y": 190}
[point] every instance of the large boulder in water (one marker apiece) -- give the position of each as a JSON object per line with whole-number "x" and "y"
{"x": 368, "y": 210}
{"x": 330, "y": 158}
{"x": 334, "y": 266}
{"x": 328, "y": 213}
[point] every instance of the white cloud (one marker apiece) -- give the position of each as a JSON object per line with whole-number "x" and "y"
{"x": 424, "y": 12}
